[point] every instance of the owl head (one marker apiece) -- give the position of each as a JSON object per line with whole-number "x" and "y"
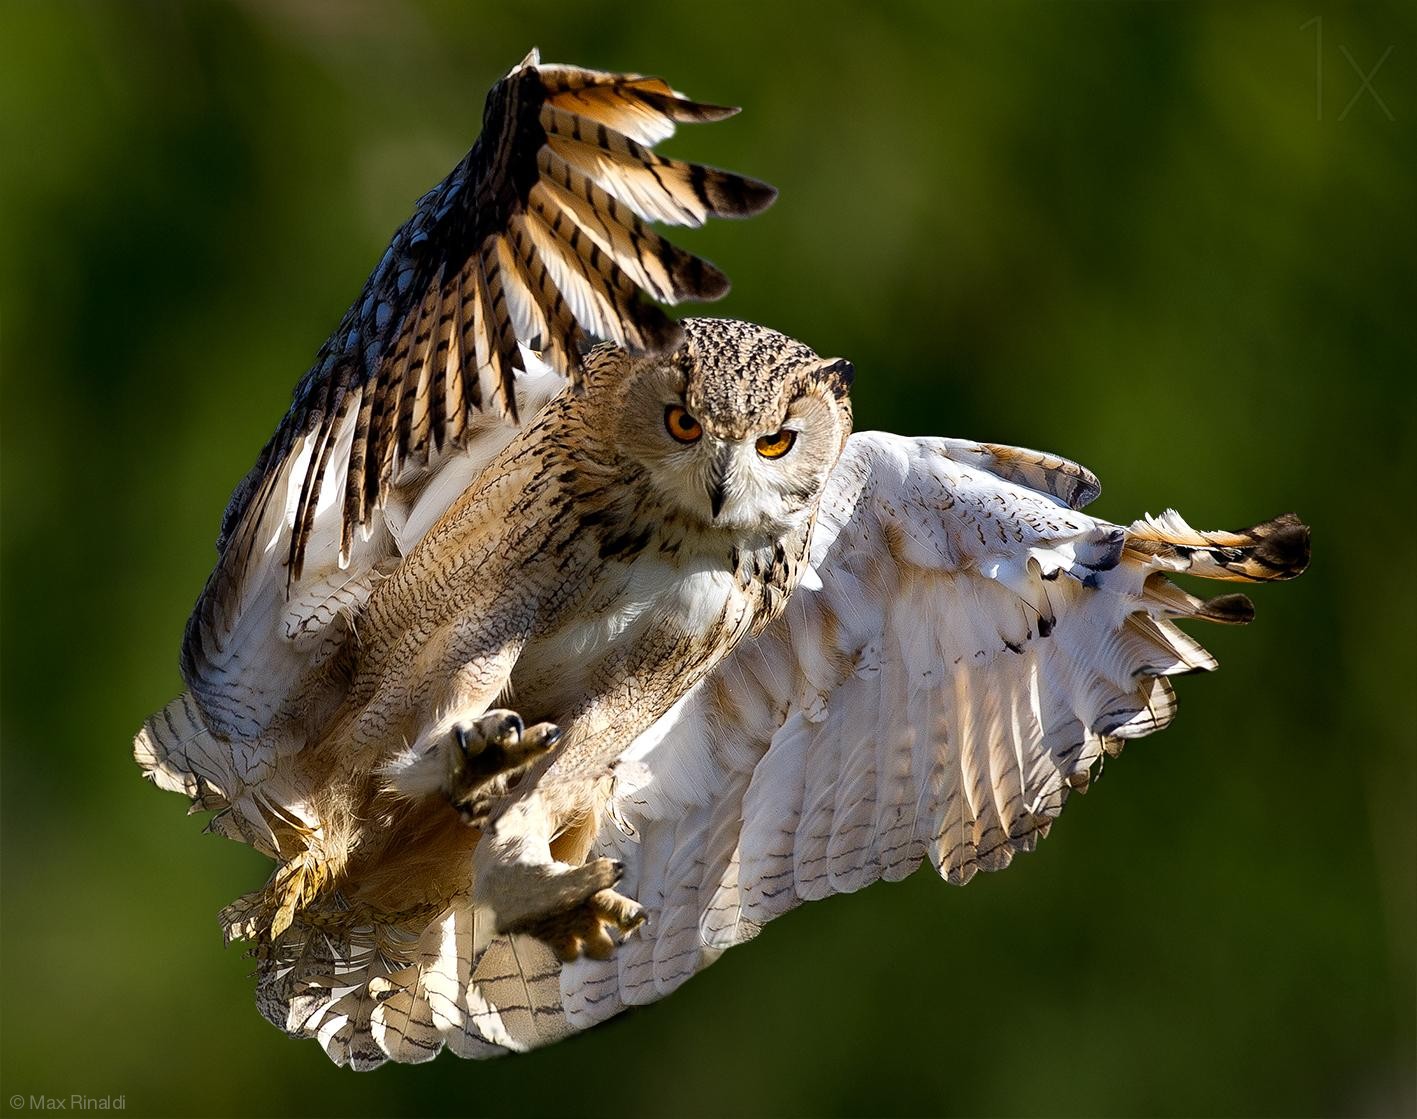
{"x": 739, "y": 427}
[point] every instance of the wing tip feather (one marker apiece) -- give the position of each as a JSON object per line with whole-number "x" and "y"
{"x": 738, "y": 196}
{"x": 1283, "y": 545}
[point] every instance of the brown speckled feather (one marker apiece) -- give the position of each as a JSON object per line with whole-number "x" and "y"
{"x": 395, "y": 334}
{"x": 516, "y": 247}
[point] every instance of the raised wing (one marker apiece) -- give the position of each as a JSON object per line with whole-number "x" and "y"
{"x": 536, "y": 239}
{"x": 970, "y": 648}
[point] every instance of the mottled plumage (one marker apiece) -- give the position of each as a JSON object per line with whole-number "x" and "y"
{"x": 547, "y": 673}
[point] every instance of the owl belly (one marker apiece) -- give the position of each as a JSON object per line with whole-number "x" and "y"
{"x": 654, "y": 621}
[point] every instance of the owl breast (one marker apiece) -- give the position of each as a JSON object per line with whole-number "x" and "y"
{"x": 646, "y": 612}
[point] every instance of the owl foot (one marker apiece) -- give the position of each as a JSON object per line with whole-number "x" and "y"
{"x": 593, "y": 926}
{"x": 474, "y": 764}
{"x": 488, "y": 756}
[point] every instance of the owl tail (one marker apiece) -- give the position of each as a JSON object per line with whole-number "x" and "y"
{"x": 374, "y": 987}
{"x": 378, "y": 975}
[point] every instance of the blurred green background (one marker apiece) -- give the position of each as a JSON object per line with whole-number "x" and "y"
{"x": 1175, "y": 242}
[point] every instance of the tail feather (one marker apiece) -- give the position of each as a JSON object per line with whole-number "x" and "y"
{"x": 377, "y": 992}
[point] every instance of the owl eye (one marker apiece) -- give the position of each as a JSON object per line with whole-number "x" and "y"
{"x": 777, "y": 444}
{"x": 681, "y": 425}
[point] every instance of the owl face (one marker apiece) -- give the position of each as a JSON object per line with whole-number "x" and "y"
{"x": 740, "y": 428}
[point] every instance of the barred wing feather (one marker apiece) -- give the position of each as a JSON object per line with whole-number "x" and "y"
{"x": 536, "y": 241}
{"x": 971, "y": 645}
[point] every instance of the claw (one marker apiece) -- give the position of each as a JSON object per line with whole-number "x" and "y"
{"x": 595, "y": 927}
{"x": 499, "y": 728}
{"x": 493, "y": 753}
{"x": 474, "y": 764}
{"x": 625, "y": 914}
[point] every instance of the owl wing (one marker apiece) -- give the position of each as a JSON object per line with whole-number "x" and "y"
{"x": 536, "y": 239}
{"x": 968, "y": 646}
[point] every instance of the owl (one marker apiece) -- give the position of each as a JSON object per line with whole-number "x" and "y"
{"x": 547, "y": 670}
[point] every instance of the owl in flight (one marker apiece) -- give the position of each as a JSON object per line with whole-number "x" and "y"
{"x": 546, "y": 671}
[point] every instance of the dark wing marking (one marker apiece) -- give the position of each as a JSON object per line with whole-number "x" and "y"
{"x": 536, "y": 236}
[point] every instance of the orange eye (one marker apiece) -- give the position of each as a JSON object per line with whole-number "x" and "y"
{"x": 681, "y": 425}
{"x": 777, "y": 444}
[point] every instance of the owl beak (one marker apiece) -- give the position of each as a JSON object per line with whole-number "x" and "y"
{"x": 718, "y": 479}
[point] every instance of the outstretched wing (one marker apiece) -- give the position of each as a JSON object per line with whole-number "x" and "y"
{"x": 971, "y": 646}
{"x": 536, "y": 239}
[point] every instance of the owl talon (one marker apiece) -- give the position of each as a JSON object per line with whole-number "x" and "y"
{"x": 594, "y": 929}
{"x": 492, "y": 753}
{"x": 571, "y": 909}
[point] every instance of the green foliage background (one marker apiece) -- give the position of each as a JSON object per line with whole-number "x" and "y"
{"x": 1135, "y": 234}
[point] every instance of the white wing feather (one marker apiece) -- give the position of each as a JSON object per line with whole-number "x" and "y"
{"x": 971, "y": 646}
